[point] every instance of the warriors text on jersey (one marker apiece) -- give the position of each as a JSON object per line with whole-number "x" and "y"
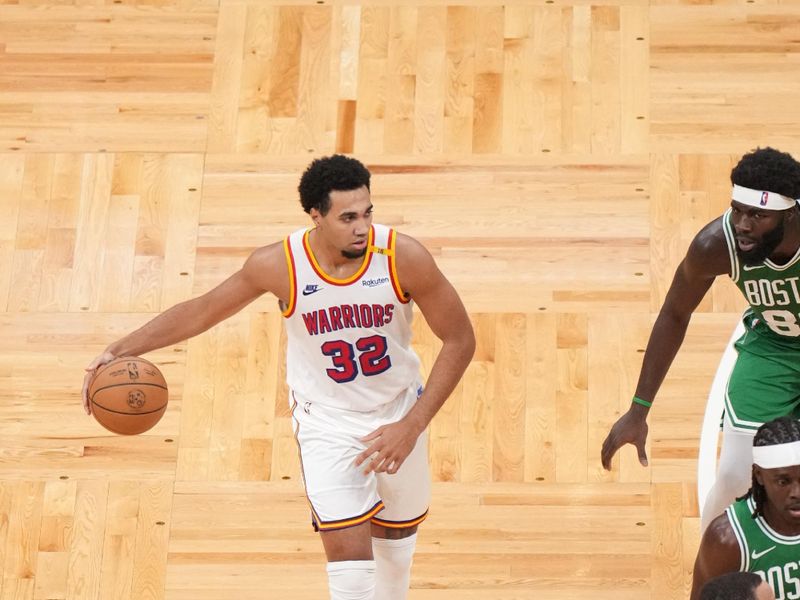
{"x": 773, "y": 291}
{"x": 775, "y": 557}
{"x": 348, "y": 340}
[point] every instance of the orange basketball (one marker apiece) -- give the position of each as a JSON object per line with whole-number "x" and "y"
{"x": 128, "y": 395}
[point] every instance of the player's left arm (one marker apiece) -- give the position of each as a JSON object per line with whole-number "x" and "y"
{"x": 445, "y": 314}
{"x": 718, "y": 554}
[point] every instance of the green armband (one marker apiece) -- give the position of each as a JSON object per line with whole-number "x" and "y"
{"x": 638, "y": 400}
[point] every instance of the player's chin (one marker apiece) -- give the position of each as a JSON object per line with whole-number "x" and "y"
{"x": 354, "y": 252}
{"x": 752, "y": 257}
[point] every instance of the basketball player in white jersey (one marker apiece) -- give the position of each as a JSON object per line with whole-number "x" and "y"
{"x": 359, "y": 409}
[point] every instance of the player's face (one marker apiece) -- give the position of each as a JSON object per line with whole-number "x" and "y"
{"x": 783, "y": 497}
{"x": 758, "y": 232}
{"x": 345, "y": 227}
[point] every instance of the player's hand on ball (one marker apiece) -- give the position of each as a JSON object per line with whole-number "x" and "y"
{"x": 388, "y": 446}
{"x": 91, "y": 369}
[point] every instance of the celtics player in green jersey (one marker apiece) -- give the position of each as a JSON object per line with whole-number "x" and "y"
{"x": 760, "y": 532}
{"x": 757, "y": 244}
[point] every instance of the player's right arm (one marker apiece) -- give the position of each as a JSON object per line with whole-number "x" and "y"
{"x": 706, "y": 259}
{"x": 719, "y": 553}
{"x": 264, "y": 271}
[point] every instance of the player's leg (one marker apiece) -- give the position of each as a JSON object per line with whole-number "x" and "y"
{"x": 764, "y": 385}
{"x": 341, "y": 497}
{"x": 393, "y": 549}
{"x": 351, "y": 568}
{"x": 406, "y": 495}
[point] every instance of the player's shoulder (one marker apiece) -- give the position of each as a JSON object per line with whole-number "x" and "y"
{"x": 720, "y": 536}
{"x": 412, "y": 256}
{"x": 266, "y": 263}
{"x": 711, "y": 238}
{"x": 268, "y": 253}
{"x": 406, "y": 244}
{"x": 708, "y": 250}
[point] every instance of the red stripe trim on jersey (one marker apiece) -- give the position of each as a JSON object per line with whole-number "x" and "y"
{"x": 287, "y": 249}
{"x": 400, "y": 524}
{"x": 392, "y": 256}
{"x": 347, "y": 281}
{"x": 352, "y": 522}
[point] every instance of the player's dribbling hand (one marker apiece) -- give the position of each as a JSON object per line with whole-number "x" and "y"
{"x": 630, "y": 428}
{"x": 390, "y": 446}
{"x": 99, "y": 361}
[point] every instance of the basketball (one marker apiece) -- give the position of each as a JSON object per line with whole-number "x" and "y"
{"x": 128, "y": 395}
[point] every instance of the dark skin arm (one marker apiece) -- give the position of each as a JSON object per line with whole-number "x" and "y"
{"x": 718, "y": 554}
{"x": 706, "y": 259}
{"x": 421, "y": 279}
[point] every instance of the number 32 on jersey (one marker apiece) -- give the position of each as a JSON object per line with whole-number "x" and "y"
{"x": 367, "y": 357}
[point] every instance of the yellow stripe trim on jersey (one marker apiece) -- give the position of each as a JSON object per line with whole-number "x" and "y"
{"x": 292, "y": 279}
{"x": 383, "y": 251}
{"x": 352, "y": 522}
{"x": 392, "y": 254}
{"x": 400, "y": 524}
{"x": 355, "y": 276}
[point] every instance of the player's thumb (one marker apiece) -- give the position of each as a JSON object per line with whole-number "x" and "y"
{"x": 642, "y": 453}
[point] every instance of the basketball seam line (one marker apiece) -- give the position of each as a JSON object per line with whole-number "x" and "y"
{"x": 127, "y": 383}
{"x": 119, "y": 412}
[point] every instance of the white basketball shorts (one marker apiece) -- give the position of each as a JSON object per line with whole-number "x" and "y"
{"x": 339, "y": 493}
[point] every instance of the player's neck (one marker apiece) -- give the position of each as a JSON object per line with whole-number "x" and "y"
{"x": 787, "y": 249}
{"x": 778, "y": 522}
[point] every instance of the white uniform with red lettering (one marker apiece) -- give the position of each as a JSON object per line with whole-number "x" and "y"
{"x": 351, "y": 369}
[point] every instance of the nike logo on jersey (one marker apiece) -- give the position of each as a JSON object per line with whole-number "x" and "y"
{"x": 752, "y": 267}
{"x": 310, "y": 289}
{"x": 756, "y": 555}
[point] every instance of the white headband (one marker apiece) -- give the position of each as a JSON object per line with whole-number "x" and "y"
{"x": 777, "y": 455}
{"x": 759, "y": 199}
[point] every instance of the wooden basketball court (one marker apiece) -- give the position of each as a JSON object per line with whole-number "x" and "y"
{"x": 556, "y": 156}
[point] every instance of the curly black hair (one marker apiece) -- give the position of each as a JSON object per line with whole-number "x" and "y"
{"x": 769, "y": 170}
{"x": 779, "y": 431}
{"x": 327, "y": 174}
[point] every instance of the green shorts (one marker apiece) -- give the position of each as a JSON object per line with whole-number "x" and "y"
{"x": 765, "y": 381}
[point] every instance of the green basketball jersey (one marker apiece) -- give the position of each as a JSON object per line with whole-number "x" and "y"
{"x": 773, "y": 291}
{"x": 775, "y": 557}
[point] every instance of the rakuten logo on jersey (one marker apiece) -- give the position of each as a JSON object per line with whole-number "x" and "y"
{"x": 374, "y": 282}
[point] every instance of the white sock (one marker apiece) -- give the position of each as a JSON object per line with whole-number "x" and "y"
{"x": 393, "y": 566}
{"x": 352, "y": 580}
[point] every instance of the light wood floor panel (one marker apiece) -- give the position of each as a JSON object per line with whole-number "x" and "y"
{"x": 106, "y": 77}
{"x": 556, "y": 159}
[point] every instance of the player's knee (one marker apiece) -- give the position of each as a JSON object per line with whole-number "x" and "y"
{"x": 393, "y": 558}
{"x": 352, "y": 580}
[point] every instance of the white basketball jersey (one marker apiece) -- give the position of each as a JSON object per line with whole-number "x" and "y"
{"x": 348, "y": 340}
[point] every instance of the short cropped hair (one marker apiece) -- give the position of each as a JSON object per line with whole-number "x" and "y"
{"x": 328, "y": 174}
{"x": 738, "y": 585}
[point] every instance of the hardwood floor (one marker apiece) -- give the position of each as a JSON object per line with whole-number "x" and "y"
{"x": 556, "y": 158}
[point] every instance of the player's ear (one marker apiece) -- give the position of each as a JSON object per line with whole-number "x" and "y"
{"x": 758, "y": 475}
